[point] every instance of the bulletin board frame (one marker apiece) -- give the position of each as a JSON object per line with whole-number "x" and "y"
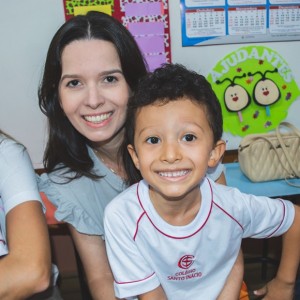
{"x": 239, "y": 21}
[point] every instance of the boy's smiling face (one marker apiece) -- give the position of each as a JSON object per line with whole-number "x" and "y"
{"x": 173, "y": 146}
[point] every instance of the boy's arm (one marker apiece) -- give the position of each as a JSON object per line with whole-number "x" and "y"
{"x": 234, "y": 281}
{"x": 156, "y": 294}
{"x": 233, "y": 284}
{"x": 282, "y": 286}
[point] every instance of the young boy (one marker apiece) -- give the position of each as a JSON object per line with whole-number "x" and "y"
{"x": 176, "y": 234}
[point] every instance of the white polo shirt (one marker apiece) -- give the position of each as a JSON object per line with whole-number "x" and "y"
{"x": 192, "y": 261}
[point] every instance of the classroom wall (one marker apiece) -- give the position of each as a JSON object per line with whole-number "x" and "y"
{"x": 26, "y": 28}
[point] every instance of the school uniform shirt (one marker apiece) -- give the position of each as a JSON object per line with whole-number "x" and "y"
{"x": 17, "y": 182}
{"x": 191, "y": 261}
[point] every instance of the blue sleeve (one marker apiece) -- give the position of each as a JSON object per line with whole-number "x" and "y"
{"x": 77, "y": 202}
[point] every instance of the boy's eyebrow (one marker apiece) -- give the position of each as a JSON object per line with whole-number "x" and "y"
{"x": 142, "y": 130}
{"x": 150, "y": 127}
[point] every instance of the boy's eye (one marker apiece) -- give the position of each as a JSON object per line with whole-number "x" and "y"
{"x": 110, "y": 79}
{"x": 73, "y": 83}
{"x": 189, "y": 137}
{"x": 152, "y": 140}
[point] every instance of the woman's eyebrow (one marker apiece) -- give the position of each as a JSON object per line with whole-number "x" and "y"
{"x": 104, "y": 73}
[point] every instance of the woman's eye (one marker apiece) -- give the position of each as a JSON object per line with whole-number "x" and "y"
{"x": 110, "y": 79}
{"x": 153, "y": 140}
{"x": 189, "y": 137}
{"x": 73, "y": 83}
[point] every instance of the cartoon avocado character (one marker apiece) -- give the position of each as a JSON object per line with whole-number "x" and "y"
{"x": 266, "y": 91}
{"x": 236, "y": 97}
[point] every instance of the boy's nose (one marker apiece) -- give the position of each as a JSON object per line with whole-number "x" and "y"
{"x": 171, "y": 152}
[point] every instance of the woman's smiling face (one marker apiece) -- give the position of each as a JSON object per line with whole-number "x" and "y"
{"x": 93, "y": 91}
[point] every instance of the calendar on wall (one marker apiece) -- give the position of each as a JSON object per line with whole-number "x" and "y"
{"x": 239, "y": 21}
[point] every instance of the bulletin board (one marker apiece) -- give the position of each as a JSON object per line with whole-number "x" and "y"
{"x": 239, "y": 21}
{"x": 148, "y": 22}
{"x": 256, "y": 88}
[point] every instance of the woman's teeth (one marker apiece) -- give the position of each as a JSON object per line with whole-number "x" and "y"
{"x": 98, "y": 118}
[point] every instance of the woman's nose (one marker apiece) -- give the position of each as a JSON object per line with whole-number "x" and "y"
{"x": 94, "y": 97}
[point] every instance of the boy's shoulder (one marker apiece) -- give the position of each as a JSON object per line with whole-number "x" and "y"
{"x": 125, "y": 210}
{"x": 125, "y": 200}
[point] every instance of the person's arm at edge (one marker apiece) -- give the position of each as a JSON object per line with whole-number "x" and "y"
{"x": 92, "y": 252}
{"x": 26, "y": 270}
{"x": 233, "y": 284}
{"x": 282, "y": 286}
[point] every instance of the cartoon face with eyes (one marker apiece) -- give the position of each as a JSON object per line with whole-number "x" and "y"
{"x": 236, "y": 98}
{"x": 266, "y": 92}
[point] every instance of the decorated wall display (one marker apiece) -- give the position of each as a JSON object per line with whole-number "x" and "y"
{"x": 148, "y": 22}
{"x": 255, "y": 87}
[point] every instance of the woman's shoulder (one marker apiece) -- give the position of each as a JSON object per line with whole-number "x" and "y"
{"x": 78, "y": 201}
{"x": 60, "y": 181}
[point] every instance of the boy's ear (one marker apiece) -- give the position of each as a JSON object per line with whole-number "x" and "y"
{"x": 134, "y": 156}
{"x": 217, "y": 153}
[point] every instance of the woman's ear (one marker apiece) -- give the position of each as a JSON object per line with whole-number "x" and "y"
{"x": 217, "y": 153}
{"x": 134, "y": 156}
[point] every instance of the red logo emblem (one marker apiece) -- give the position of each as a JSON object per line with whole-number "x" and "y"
{"x": 186, "y": 261}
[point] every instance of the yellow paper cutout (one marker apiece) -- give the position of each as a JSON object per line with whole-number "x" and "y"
{"x": 82, "y": 10}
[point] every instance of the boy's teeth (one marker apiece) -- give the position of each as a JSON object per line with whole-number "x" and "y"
{"x": 173, "y": 174}
{"x": 97, "y": 119}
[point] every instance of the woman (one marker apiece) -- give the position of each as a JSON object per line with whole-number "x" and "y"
{"x": 93, "y": 65}
{"x": 24, "y": 243}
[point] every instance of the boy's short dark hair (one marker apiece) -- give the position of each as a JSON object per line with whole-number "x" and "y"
{"x": 171, "y": 82}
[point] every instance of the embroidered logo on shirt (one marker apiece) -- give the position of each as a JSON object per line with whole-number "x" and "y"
{"x": 185, "y": 262}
